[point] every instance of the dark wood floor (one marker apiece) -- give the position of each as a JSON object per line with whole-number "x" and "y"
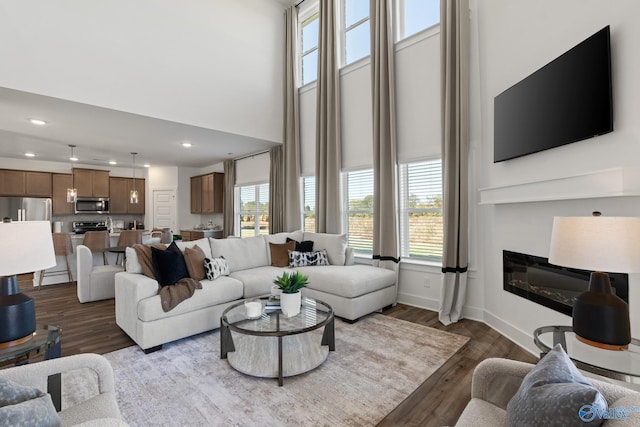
{"x": 91, "y": 327}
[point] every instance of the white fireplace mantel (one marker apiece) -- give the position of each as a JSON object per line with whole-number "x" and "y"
{"x": 614, "y": 182}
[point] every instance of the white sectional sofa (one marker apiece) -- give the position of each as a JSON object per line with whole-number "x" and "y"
{"x": 352, "y": 290}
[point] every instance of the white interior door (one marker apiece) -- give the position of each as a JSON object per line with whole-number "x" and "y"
{"x": 164, "y": 209}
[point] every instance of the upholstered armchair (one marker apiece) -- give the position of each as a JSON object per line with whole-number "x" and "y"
{"x": 95, "y": 282}
{"x": 98, "y": 408}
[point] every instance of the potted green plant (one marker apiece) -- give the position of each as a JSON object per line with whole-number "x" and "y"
{"x": 291, "y": 298}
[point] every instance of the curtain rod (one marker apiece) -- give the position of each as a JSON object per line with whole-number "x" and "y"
{"x": 254, "y": 154}
{"x": 299, "y": 3}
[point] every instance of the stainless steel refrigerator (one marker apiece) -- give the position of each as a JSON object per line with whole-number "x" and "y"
{"x": 25, "y": 208}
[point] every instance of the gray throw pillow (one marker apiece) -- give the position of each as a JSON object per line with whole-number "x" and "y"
{"x": 555, "y": 393}
{"x": 20, "y": 405}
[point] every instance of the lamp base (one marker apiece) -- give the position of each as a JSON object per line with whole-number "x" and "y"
{"x": 601, "y": 318}
{"x": 602, "y": 345}
{"x": 17, "y": 313}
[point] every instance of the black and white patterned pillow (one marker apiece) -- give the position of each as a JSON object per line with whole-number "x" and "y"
{"x": 304, "y": 259}
{"x": 215, "y": 267}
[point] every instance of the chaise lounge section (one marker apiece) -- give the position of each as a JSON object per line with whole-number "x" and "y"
{"x": 352, "y": 290}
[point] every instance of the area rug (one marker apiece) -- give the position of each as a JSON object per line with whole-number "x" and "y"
{"x": 378, "y": 362}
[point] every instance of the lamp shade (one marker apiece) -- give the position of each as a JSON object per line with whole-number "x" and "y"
{"x": 27, "y": 246}
{"x": 596, "y": 243}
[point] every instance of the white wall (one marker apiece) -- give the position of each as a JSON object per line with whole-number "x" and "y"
{"x": 215, "y": 64}
{"x": 510, "y": 40}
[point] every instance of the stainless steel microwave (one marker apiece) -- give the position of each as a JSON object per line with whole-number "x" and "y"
{"x": 96, "y": 205}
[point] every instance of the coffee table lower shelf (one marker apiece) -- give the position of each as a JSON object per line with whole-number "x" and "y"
{"x": 258, "y": 356}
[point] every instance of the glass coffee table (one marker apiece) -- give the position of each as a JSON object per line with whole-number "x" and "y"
{"x": 45, "y": 338}
{"x": 273, "y": 345}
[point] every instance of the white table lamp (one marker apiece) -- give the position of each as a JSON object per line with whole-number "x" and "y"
{"x": 599, "y": 244}
{"x": 27, "y": 246}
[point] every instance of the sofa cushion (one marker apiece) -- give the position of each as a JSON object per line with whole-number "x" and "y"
{"x": 20, "y": 405}
{"x": 553, "y": 393}
{"x": 257, "y": 281}
{"x": 334, "y": 244}
{"x": 303, "y": 259}
{"x": 283, "y": 237}
{"x": 225, "y": 289}
{"x": 280, "y": 253}
{"x": 194, "y": 258}
{"x": 480, "y": 413}
{"x": 168, "y": 265}
{"x": 348, "y": 281}
{"x": 241, "y": 254}
{"x": 215, "y": 267}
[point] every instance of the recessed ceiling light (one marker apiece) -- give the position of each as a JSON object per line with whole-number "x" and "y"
{"x": 37, "y": 122}
{"x": 113, "y": 162}
{"x": 186, "y": 144}
{"x": 147, "y": 165}
{"x": 29, "y": 154}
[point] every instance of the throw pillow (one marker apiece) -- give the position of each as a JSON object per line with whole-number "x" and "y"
{"x": 305, "y": 259}
{"x": 20, "y": 405}
{"x": 304, "y": 246}
{"x": 169, "y": 265}
{"x": 194, "y": 258}
{"x": 555, "y": 393}
{"x": 144, "y": 258}
{"x": 280, "y": 253}
{"x": 215, "y": 267}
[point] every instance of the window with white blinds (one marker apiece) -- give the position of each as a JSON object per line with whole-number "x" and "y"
{"x": 253, "y": 210}
{"x": 421, "y": 210}
{"x": 358, "y": 188}
{"x": 309, "y": 203}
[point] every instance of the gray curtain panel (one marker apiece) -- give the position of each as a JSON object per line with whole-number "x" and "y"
{"x": 385, "y": 204}
{"x": 454, "y": 35}
{"x": 291, "y": 132}
{"x": 229, "y": 190}
{"x": 328, "y": 143}
{"x": 276, "y": 191}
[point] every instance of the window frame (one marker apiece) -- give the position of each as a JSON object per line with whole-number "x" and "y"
{"x": 342, "y": 24}
{"x": 306, "y": 15}
{"x": 346, "y": 211}
{"x": 257, "y": 213}
{"x": 399, "y": 22}
{"x": 303, "y": 210}
{"x": 404, "y": 211}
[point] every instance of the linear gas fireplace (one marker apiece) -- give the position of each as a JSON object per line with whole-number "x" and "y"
{"x": 533, "y": 278}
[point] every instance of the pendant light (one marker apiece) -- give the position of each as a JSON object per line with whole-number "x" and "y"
{"x": 72, "y": 193}
{"x": 133, "y": 194}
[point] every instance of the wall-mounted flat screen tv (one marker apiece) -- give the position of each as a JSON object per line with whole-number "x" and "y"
{"x": 567, "y": 100}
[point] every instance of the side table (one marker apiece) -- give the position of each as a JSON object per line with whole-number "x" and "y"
{"x": 619, "y": 365}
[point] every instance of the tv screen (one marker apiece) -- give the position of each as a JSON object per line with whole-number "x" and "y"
{"x": 567, "y": 100}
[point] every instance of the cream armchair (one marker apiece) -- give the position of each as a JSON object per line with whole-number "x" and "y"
{"x": 495, "y": 381}
{"x": 95, "y": 282}
{"x": 100, "y": 409}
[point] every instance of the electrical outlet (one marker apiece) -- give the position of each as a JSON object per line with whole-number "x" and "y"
{"x": 427, "y": 283}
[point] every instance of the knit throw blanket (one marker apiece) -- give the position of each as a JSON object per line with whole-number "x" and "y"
{"x": 171, "y": 296}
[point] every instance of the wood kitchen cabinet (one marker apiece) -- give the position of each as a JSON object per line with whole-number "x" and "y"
{"x": 119, "y": 189}
{"x": 91, "y": 182}
{"x": 25, "y": 183}
{"x": 207, "y": 193}
{"x": 60, "y": 182}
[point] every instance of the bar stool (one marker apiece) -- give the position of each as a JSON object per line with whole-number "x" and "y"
{"x": 129, "y": 238}
{"x": 97, "y": 241}
{"x": 61, "y": 247}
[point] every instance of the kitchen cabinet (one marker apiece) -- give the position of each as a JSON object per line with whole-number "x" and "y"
{"x": 189, "y": 235}
{"x": 119, "y": 189}
{"x": 25, "y": 183}
{"x": 91, "y": 182}
{"x": 60, "y": 182}
{"x": 207, "y": 193}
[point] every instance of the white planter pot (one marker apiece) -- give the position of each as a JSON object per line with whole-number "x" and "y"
{"x": 290, "y": 303}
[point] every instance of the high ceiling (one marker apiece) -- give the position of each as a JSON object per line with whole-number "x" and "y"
{"x": 114, "y": 78}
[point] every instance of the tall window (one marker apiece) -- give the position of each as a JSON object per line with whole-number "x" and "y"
{"x": 358, "y": 187}
{"x": 309, "y": 203}
{"x": 253, "y": 210}
{"x": 416, "y": 15}
{"x": 309, "y": 47}
{"x": 421, "y": 210}
{"x": 356, "y": 38}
